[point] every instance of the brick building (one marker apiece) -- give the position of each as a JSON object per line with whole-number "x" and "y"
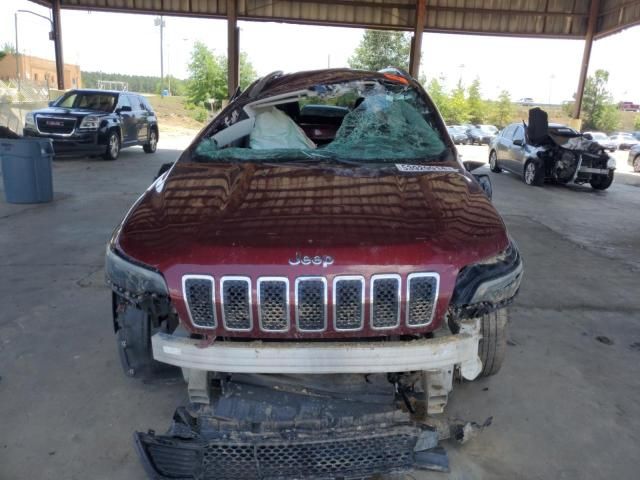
{"x": 39, "y": 70}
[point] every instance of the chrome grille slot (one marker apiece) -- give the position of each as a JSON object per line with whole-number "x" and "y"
{"x": 422, "y": 293}
{"x": 198, "y": 291}
{"x": 236, "y": 303}
{"x": 273, "y": 298}
{"x": 385, "y": 301}
{"x": 311, "y": 304}
{"x": 348, "y": 302}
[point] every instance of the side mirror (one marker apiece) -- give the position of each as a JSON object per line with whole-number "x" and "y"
{"x": 485, "y": 183}
{"x": 519, "y": 142}
{"x": 51, "y": 103}
{"x": 471, "y": 165}
{"x": 588, "y": 136}
{"x": 124, "y": 108}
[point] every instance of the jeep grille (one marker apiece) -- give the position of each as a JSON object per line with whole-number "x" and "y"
{"x": 348, "y": 303}
{"x": 385, "y": 301}
{"x": 236, "y": 303}
{"x": 199, "y": 292}
{"x": 422, "y": 296}
{"x": 274, "y": 304}
{"x": 309, "y": 304}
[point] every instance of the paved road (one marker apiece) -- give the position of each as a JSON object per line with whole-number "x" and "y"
{"x": 564, "y": 406}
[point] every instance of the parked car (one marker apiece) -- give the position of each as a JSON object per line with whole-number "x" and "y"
{"x": 603, "y": 139}
{"x": 636, "y": 135}
{"x": 95, "y": 122}
{"x": 264, "y": 250}
{"x": 457, "y": 134}
{"x": 634, "y": 158}
{"x": 526, "y": 101}
{"x": 624, "y": 140}
{"x": 541, "y": 151}
{"x": 480, "y": 136}
{"x": 492, "y": 129}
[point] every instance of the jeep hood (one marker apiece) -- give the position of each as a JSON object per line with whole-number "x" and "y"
{"x": 201, "y": 215}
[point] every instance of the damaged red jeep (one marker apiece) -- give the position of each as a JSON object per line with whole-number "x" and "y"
{"x": 321, "y": 225}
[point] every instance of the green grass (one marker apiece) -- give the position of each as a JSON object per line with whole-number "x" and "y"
{"x": 174, "y": 110}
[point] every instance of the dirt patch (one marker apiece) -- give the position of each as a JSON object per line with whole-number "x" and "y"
{"x": 173, "y": 113}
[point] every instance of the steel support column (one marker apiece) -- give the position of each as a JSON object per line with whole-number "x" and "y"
{"x": 57, "y": 42}
{"x": 586, "y": 55}
{"x": 416, "y": 40}
{"x": 233, "y": 52}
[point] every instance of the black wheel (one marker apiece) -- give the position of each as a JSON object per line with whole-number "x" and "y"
{"x": 152, "y": 143}
{"x": 493, "y": 162}
{"x": 493, "y": 345}
{"x": 601, "y": 182}
{"x": 533, "y": 174}
{"x": 636, "y": 164}
{"x": 113, "y": 146}
{"x": 133, "y": 336}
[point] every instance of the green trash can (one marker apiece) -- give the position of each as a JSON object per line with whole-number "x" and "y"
{"x": 26, "y": 170}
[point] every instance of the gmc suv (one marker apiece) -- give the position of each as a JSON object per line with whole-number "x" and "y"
{"x": 322, "y": 223}
{"x": 95, "y": 122}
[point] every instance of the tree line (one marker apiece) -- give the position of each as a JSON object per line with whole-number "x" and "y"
{"x": 380, "y": 49}
{"x": 206, "y": 86}
{"x": 598, "y": 110}
{"x": 136, "y": 83}
{"x": 208, "y": 75}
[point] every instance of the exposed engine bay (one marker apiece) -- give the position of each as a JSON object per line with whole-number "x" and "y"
{"x": 568, "y": 155}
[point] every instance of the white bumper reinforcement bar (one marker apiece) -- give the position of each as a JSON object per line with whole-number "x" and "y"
{"x": 330, "y": 357}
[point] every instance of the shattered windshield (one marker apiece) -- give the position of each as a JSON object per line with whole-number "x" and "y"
{"x": 361, "y": 121}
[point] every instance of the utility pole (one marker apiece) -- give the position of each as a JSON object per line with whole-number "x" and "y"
{"x": 54, "y": 35}
{"x": 159, "y": 22}
{"x": 17, "y": 54}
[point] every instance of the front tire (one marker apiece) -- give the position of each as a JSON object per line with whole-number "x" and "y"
{"x": 152, "y": 143}
{"x": 113, "y": 146}
{"x": 601, "y": 182}
{"x": 493, "y": 344}
{"x": 636, "y": 164}
{"x": 134, "y": 330}
{"x": 493, "y": 162}
{"x": 533, "y": 174}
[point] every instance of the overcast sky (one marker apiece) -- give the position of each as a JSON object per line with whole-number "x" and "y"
{"x": 542, "y": 69}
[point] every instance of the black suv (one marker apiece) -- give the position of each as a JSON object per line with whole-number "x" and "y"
{"x": 95, "y": 122}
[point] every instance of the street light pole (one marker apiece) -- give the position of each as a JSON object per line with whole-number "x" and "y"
{"x": 51, "y": 37}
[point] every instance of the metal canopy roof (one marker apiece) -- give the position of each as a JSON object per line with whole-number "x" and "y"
{"x": 525, "y": 18}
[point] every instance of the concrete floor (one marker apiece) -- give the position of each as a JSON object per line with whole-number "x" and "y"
{"x": 564, "y": 406}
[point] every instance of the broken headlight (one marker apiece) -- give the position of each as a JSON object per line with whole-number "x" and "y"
{"x": 490, "y": 284}
{"x": 132, "y": 280}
